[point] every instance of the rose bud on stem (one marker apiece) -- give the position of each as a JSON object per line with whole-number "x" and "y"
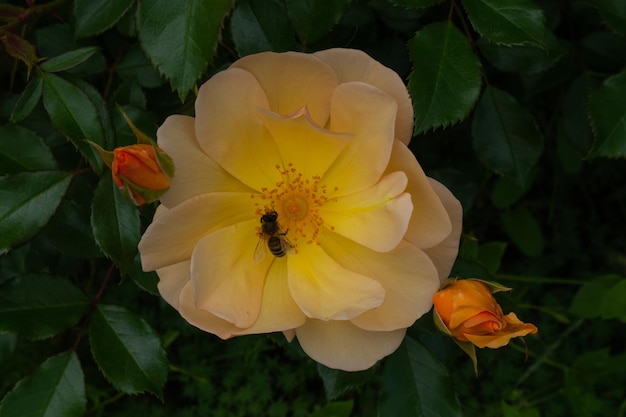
{"x": 467, "y": 311}
{"x": 143, "y": 171}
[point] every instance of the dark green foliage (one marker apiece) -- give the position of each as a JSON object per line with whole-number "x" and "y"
{"x": 520, "y": 110}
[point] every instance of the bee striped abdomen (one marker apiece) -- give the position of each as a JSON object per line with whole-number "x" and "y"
{"x": 276, "y": 246}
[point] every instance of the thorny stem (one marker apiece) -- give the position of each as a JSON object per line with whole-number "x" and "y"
{"x": 544, "y": 357}
{"x": 32, "y": 12}
{"x": 94, "y": 304}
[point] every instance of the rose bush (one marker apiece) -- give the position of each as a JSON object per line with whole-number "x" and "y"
{"x": 321, "y": 139}
{"x": 470, "y": 313}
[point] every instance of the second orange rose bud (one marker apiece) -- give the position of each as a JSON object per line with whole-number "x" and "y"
{"x": 467, "y": 310}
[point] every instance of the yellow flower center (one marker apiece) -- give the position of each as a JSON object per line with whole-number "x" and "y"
{"x": 297, "y": 201}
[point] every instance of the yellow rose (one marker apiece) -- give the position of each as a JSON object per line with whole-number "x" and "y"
{"x": 470, "y": 313}
{"x": 297, "y": 207}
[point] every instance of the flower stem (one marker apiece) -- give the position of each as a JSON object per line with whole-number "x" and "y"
{"x": 542, "y": 280}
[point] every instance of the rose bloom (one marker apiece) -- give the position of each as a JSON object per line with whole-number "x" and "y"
{"x": 136, "y": 169}
{"x": 470, "y": 313}
{"x": 319, "y": 140}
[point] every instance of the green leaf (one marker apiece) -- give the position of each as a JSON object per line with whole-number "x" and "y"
{"x": 102, "y": 111}
{"x": 40, "y": 306}
{"x": 57, "y": 39}
{"x": 313, "y": 19}
{"x": 72, "y": 112}
{"x": 261, "y": 25}
{"x": 613, "y": 13}
{"x": 29, "y": 200}
{"x": 523, "y": 411}
{"x": 96, "y": 16}
{"x": 128, "y": 351}
{"x": 614, "y": 305}
{"x": 589, "y": 301}
{"x": 416, "y": 384}
{"x": 604, "y": 50}
{"x": 527, "y": 59}
{"x": 445, "y": 82}
{"x": 8, "y": 342}
{"x": 135, "y": 66}
{"x": 69, "y": 231}
{"x": 147, "y": 281}
{"x": 23, "y": 150}
{"x": 130, "y": 93}
{"x": 576, "y": 123}
{"x": 490, "y": 255}
{"x": 115, "y": 223}
{"x": 337, "y": 382}
{"x": 505, "y": 136}
{"x": 524, "y": 231}
{"x": 28, "y": 100}
{"x": 68, "y": 60}
{"x": 416, "y": 4}
{"x": 513, "y": 22}
{"x": 607, "y": 109}
{"x": 57, "y": 388}
{"x": 506, "y": 192}
{"x": 180, "y": 37}
{"x": 335, "y": 409}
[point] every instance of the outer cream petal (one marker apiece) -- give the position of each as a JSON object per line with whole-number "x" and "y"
{"x": 302, "y": 144}
{"x": 228, "y": 130}
{"x": 444, "y": 254}
{"x": 202, "y": 319}
{"x": 173, "y": 234}
{"x": 355, "y": 65}
{"x": 377, "y": 217}
{"x": 430, "y": 223}
{"x": 368, "y": 114}
{"x": 279, "y": 312}
{"x": 342, "y": 345}
{"x": 172, "y": 279}
{"x": 324, "y": 290}
{"x": 227, "y": 281}
{"x": 407, "y": 274}
{"x": 293, "y": 80}
{"x": 196, "y": 173}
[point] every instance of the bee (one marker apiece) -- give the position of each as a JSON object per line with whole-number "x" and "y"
{"x": 272, "y": 238}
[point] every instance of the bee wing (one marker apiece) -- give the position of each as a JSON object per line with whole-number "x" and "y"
{"x": 286, "y": 244}
{"x": 261, "y": 250}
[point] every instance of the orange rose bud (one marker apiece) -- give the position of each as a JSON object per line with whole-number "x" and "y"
{"x": 139, "y": 171}
{"x": 469, "y": 312}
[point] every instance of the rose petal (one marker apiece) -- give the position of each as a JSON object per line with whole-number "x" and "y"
{"x": 355, "y": 65}
{"x": 291, "y": 81}
{"x": 444, "y": 254}
{"x": 228, "y": 130}
{"x": 430, "y": 223}
{"x": 172, "y": 279}
{"x": 296, "y": 133}
{"x": 173, "y": 234}
{"x": 196, "y": 173}
{"x": 342, "y": 345}
{"x": 202, "y": 319}
{"x": 325, "y": 290}
{"x": 368, "y": 114}
{"x": 377, "y": 217}
{"x": 407, "y": 274}
{"x": 227, "y": 281}
{"x": 514, "y": 328}
{"x": 279, "y": 311}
